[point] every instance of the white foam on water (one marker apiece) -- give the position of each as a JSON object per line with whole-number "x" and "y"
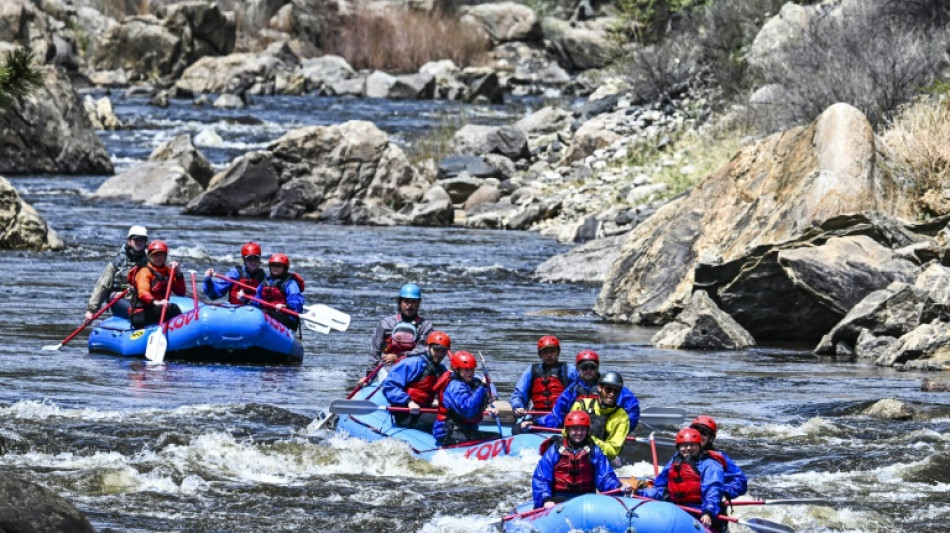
{"x": 817, "y": 429}
{"x": 208, "y": 138}
{"x": 460, "y": 524}
{"x": 46, "y": 409}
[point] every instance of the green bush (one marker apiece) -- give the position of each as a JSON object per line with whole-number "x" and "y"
{"x": 18, "y": 76}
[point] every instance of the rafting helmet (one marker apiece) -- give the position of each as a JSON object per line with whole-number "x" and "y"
{"x": 410, "y": 291}
{"x": 279, "y": 259}
{"x": 707, "y": 423}
{"x": 157, "y": 246}
{"x": 611, "y": 378}
{"x": 462, "y": 359}
{"x": 250, "y": 249}
{"x": 689, "y": 436}
{"x": 588, "y": 355}
{"x": 548, "y": 341}
{"x": 577, "y": 418}
{"x": 137, "y": 231}
{"x": 437, "y": 338}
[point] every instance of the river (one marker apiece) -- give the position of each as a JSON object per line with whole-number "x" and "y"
{"x": 210, "y": 448}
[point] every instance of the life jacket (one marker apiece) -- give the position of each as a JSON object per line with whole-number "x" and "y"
{"x": 444, "y": 413}
{"x": 253, "y": 280}
{"x": 574, "y": 471}
{"x": 124, "y": 262}
{"x": 422, "y": 391}
{"x": 598, "y": 422}
{"x": 546, "y": 386}
{"x": 275, "y": 290}
{"x": 158, "y": 289}
{"x": 685, "y": 482}
{"x": 403, "y": 337}
{"x": 582, "y": 392}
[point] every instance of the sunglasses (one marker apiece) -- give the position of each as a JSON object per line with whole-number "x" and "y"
{"x": 139, "y": 239}
{"x": 587, "y": 366}
{"x": 610, "y": 390}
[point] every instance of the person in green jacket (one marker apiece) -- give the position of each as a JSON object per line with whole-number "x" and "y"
{"x": 609, "y": 423}
{"x": 115, "y": 277}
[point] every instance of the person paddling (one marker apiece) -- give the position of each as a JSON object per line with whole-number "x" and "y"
{"x": 282, "y": 288}
{"x": 390, "y": 341}
{"x": 571, "y": 465}
{"x": 462, "y": 404}
{"x": 586, "y": 386}
{"x": 542, "y": 383}
{"x": 151, "y": 286}
{"x": 609, "y": 424}
{"x": 413, "y": 382}
{"x": 735, "y": 482}
{"x": 249, "y": 273}
{"x": 115, "y": 277}
{"x": 692, "y": 477}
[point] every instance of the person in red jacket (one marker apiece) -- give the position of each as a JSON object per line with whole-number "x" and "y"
{"x": 151, "y": 285}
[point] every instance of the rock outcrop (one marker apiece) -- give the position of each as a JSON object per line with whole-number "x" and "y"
{"x": 30, "y": 508}
{"x": 22, "y": 227}
{"x": 703, "y": 326}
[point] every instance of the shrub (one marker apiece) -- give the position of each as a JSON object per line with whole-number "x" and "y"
{"x": 918, "y": 144}
{"x": 662, "y": 69}
{"x": 860, "y": 57}
{"x": 18, "y": 76}
{"x": 402, "y": 40}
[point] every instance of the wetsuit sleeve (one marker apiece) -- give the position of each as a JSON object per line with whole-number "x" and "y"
{"x": 711, "y": 482}
{"x": 562, "y": 406}
{"x": 735, "y": 482}
{"x": 519, "y": 398}
{"x": 295, "y": 299}
{"x": 143, "y": 286}
{"x": 658, "y": 490}
{"x": 618, "y": 426}
{"x": 542, "y": 481}
{"x": 604, "y": 474}
{"x": 102, "y": 288}
{"x": 466, "y": 403}
{"x": 215, "y": 288}
{"x": 629, "y": 402}
{"x": 403, "y": 373}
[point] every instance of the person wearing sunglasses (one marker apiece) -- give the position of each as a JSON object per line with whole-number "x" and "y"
{"x": 735, "y": 482}
{"x": 250, "y": 274}
{"x": 691, "y": 478}
{"x": 585, "y": 386}
{"x": 542, "y": 383}
{"x": 609, "y": 424}
{"x": 115, "y": 277}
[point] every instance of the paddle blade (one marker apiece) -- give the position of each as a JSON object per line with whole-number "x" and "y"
{"x": 156, "y": 346}
{"x": 354, "y": 407}
{"x": 762, "y": 525}
{"x": 53, "y": 347}
{"x": 663, "y": 416}
{"x": 313, "y": 326}
{"x": 329, "y": 316}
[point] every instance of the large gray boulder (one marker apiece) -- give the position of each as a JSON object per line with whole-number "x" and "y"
{"x": 587, "y": 263}
{"x": 504, "y": 21}
{"x": 804, "y": 185}
{"x": 474, "y": 139}
{"x": 49, "y": 132}
{"x": 21, "y": 227}
{"x": 703, "y": 326}
{"x": 30, "y": 508}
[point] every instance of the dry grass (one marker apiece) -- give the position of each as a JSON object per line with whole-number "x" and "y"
{"x": 918, "y": 144}
{"x": 437, "y": 143}
{"x": 402, "y": 40}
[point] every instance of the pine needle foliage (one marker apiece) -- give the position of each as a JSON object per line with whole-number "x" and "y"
{"x": 18, "y": 76}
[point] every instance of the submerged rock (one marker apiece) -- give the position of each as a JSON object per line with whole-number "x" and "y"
{"x": 30, "y": 508}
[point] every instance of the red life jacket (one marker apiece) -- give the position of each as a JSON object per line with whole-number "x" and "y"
{"x": 423, "y": 390}
{"x": 444, "y": 413}
{"x": 685, "y": 482}
{"x": 582, "y": 392}
{"x": 253, "y": 280}
{"x": 275, "y": 291}
{"x": 402, "y": 340}
{"x": 574, "y": 471}
{"x": 158, "y": 289}
{"x": 546, "y": 386}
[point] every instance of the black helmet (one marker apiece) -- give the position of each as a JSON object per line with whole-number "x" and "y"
{"x": 611, "y": 378}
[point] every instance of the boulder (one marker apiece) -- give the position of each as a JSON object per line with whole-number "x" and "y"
{"x": 403, "y": 87}
{"x": 868, "y": 346}
{"x": 435, "y": 210}
{"x": 546, "y": 120}
{"x": 591, "y": 136}
{"x": 22, "y": 22}
{"x": 928, "y": 385}
{"x": 460, "y": 187}
{"x": 325, "y": 70}
{"x": 926, "y": 347}
{"x": 703, "y": 326}
{"x": 233, "y": 73}
{"x": 580, "y": 47}
{"x": 486, "y": 193}
{"x": 792, "y": 189}
{"x": 504, "y": 21}
{"x": 779, "y": 33}
{"x": 100, "y": 113}
{"x": 889, "y": 409}
{"x": 587, "y": 263}
{"x": 473, "y": 165}
{"x": 49, "y": 133}
{"x": 22, "y": 227}
{"x": 245, "y": 188}
{"x": 508, "y": 141}
{"x": 30, "y": 508}
{"x": 152, "y": 183}
{"x": 488, "y": 216}
{"x": 181, "y": 151}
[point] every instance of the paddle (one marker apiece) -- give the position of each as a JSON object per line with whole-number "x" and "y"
{"x": 804, "y": 501}
{"x": 194, "y": 289}
{"x": 492, "y": 391}
{"x": 755, "y": 524}
{"x": 157, "y": 343}
{"x": 116, "y": 298}
{"x": 654, "y": 416}
{"x": 656, "y": 464}
{"x": 318, "y": 317}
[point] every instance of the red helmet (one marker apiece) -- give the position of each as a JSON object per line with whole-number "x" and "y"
{"x": 705, "y": 422}
{"x": 548, "y": 340}
{"x": 157, "y": 246}
{"x": 688, "y": 436}
{"x": 279, "y": 259}
{"x": 577, "y": 418}
{"x": 588, "y": 355}
{"x": 463, "y": 359}
{"x": 251, "y": 248}
{"x": 437, "y": 338}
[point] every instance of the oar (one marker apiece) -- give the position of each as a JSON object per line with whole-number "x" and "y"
{"x": 157, "y": 343}
{"x": 654, "y": 416}
{"x": 85, "y": 323}
{"x": 369, "y": 379}
{"x": 493, "y": 392}
{"x": 755, "y": 524}
{"x": 559, "y": 430}
{"x": 194, "y": 289}
{"x": 314, "y": 326}
{"x": 656, "y": 464}
{"x": 803, "y": 501}
{"x": 318, "y": 317}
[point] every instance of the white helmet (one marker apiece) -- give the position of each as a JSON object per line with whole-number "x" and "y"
{"x": 138, "y": 231}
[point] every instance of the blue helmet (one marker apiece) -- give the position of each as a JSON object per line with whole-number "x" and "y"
{"x": 410, "y": 291}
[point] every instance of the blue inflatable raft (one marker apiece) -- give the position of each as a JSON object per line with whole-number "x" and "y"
{"x": 603, "y": 513}
{"x": 210, "y": 333}
{"x": 380, "y": 425}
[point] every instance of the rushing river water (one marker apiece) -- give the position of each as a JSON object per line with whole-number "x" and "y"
{"x": 188, "y": 447}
